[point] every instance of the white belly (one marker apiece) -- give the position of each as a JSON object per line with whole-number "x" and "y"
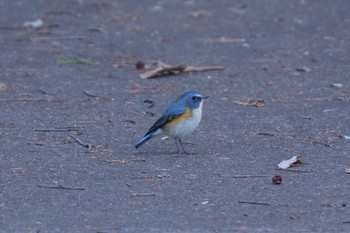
{"x": 186, "y": 126}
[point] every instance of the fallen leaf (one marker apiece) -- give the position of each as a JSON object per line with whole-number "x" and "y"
{"x": 339, "y": 85}
{"x": 252, "y": 103}
{"x": 287, "y": 163}
{"x": 34, "y": 24}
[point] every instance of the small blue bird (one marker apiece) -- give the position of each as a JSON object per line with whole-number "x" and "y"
{"x": 179, "y": 120}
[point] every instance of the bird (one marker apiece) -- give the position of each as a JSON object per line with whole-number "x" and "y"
{"x": 179, "y": 120}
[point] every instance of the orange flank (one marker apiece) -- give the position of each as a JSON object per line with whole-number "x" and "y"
{"x": 185, "y": 115}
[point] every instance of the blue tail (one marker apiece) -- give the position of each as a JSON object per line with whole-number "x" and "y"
{"x": 147, "y": 137}
{"x": 143, "y": 140}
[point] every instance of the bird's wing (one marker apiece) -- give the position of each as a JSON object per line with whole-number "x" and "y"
{"x": 169, "y": 115}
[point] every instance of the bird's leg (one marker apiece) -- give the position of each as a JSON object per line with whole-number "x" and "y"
{"x": 183, "y": 148}
{"x": 177, "y": 147}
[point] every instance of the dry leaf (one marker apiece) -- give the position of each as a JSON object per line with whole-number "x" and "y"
{"x": 287, "y": 163}
{"x": 253, "y": 103}
{"x": 339, "y": 85}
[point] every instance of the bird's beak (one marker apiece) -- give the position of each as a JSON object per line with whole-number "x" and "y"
{"x": 205, "y": 97}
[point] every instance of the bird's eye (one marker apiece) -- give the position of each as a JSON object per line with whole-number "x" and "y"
{"x": 194, "y": 98}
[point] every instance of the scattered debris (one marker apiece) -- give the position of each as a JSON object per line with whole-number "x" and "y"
{"x": 252, "y": 103}
{"x": 225, "y": 40}
{"x": 330, "y": 110}
{"x": 323, "y": 142}
{"x": 248, "y": 176}
{"x": 130, "y": 121}
{"x": 87, "y": 146}
{"x": 198, "y": 14}
{"x": 287, "y": 163}
{"x": 59, "y": 129}
{"x": 140, "y": 65}
{"x": 150, "y": 103}
{"x": 60, "y": 187}
{"x": 254, "y": 202}
{"x": 75, "y": 61}
{"x": 90, "y": 94}
{"x": 124, "y": 161}
{"x": 136, "y": 203}
{"x": 149, "y": 113}
{"x": 157, "y": 8}
{"x": 204, "y": 202}
{"x": 342, "y": 96}
{"x": 34, "y": 24}
{"x": 142, "y": 194}
{"x": 137, "y": 90}
{"x": 164, "y": 69}
{"x": 47, "y": 143}
{"x": 162, "y": 175}
{"x": 277, "y": 179}
{"x": 266, "y": 134}
{"x": 303, "y": 69}
{"x": 347, "y": 137}
{"x": 295, "y": 170}
{"x": 95, "y": 96}
{"x": 347, "y": 170}
{"x": 45, "y": 92}
{"x": 339, "y": 85}
{"x": 3, "y": 87}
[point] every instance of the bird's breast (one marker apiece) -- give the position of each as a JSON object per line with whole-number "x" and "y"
{"x": 185, "y": 124}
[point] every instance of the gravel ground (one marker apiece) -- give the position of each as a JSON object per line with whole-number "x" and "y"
{"x": 73, "y": 104}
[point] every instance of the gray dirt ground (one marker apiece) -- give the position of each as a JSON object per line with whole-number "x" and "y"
{"x": 285, "y": 53}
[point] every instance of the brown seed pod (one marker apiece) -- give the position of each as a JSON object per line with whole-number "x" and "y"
{"x": 277, "y": 179}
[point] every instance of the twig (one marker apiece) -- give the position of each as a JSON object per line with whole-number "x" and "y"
{"x": 123, "y": 161}
{"x": 60, "y": 187}
{"x": 59, "y": 38}
{"x": 254, "y": 202}
{"x": 293, "y": 170}
{"x": 142, "y": 194}
{"x": 165, "y": 69}
{"x": 266, "y": 134}
{"x": 87, "y": 146}
{"x": 249, "y": 176}
{"x": 57, "y": 129}
{"x": 24, "y": 99}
